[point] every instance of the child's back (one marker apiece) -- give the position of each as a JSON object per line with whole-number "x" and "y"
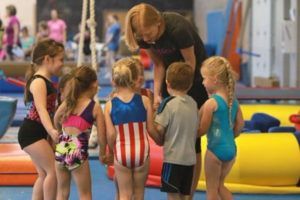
{"x": 129, "y": 118}
{"x": 220, "y": 133}
{"x": 180, "y": 115}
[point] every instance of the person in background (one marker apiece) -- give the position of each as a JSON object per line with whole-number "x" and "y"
{"x": 57, "y": 28}
{"x": 12, "y": 31}
{"x": 27, "y": 42}
{"x": 2, "y": 54}
{"x": 112, "y": 39}
{"x": 86, "y": 42}
{"x": 43, "y": 31}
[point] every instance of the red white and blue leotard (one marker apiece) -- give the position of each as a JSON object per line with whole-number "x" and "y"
{"x": 131, "y": 146}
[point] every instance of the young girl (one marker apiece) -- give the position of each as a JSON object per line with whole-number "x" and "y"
{"x": 47, "y": 60}
{"x": 141, "y": 80}
{"x": 75, "y": 116}
{"x": 137, "y": 74}
{"x": 222, "y": 120}
{"x": 128, "y": 118}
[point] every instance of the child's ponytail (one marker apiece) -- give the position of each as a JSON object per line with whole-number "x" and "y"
{"x": 72, "y": 95}
{"x": 82, "y": 79}
{"x": 29, "y": 74}
{"x": 230, "y": 89}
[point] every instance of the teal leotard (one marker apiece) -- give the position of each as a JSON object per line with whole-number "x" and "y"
{"x": 220, "y": 135}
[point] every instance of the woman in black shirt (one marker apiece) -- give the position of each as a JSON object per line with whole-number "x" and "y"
{"x": 167, "y": 37}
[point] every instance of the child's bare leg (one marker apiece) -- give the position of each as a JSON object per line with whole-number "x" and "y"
{"x": 223, "y": 191}
{"x": 185, "y": 197}
{"x": 63, "y": 182}
{"x": 37, "y": 192}
{"x": 140, "y": 175}
{"x": 125, "y": 181}
{"x": 196, "y": 176}
{"x": 213, "y": 168}
{"x": 45, "y": 161}
{"x": 117, "y": 196}
{"x": 174, "y": 196}
{"x": 82, "y": 178}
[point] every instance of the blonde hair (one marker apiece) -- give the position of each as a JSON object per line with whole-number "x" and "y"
{"x": 139, "y": 65}
{"x": 123, "y": 72}
{"x": 142, "y": 15}
{"x": 221, "y": 68}
{"x": 180, "y": 76}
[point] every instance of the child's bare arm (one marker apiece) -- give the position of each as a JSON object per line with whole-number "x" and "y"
{"x": 39, "y": 92}
{"x": 150, "y": 122}
{"x": 161, "y": 131}
{"x": 239, "y": 123}
{"x": 110, "y": 129}
{"x": 205, "y": 115}
{"x": 101, "y": 132}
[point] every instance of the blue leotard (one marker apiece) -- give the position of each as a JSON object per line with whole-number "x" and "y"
{"x": 220, "y": 135}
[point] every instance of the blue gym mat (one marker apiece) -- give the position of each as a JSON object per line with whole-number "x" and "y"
{"x": 104, "y": 189}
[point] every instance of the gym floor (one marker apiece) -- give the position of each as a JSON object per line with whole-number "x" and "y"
{"x": 104, "y": 189}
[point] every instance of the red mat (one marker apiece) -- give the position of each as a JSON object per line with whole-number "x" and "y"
{"x": 16, "y": 167}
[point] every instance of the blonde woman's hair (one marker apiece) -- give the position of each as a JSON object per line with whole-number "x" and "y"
{"x": 221, "y": 68}
{"x": 123, "y": 72}
{"x": 140, "y": 16}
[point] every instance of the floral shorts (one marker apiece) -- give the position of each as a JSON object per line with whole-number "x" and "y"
{"x": 72, "y": 150}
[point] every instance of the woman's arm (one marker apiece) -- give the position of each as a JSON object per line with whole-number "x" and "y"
{"x": 39, "y": 92}
{"x": 150, "y": 122}
{"x": 189, "y": 57}
{"x": 206, "y": 114}
{"x": 239, "y": 123}
{"x": 16, "y": 33}
{"x": 159, "y": 76}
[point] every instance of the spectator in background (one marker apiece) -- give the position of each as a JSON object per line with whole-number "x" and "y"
{"x": 86, "y": 43}
{"x": 12, "y": 31}
{"x": 2, "y": 54}
{"x": 112, "y": 39}
{"x": 27, "y": 42}
{"x": 57, "y": 28}
{"x": 43, "y": 31}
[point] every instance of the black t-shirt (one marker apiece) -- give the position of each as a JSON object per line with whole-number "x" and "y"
{"x": 179, "y": 34}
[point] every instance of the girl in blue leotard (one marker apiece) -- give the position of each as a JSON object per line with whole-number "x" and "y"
{"x": 221, "y": 118}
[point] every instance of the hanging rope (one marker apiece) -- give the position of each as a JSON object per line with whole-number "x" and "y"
{"x": 92, "y": 24}
{"x": 82, "y": 32}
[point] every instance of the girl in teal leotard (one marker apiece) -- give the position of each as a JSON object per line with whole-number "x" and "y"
{"x": 221, "y": 118}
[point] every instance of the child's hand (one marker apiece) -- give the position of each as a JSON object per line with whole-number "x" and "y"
{"x": 54, "y": 135}
{"x": 157, "y": 101}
